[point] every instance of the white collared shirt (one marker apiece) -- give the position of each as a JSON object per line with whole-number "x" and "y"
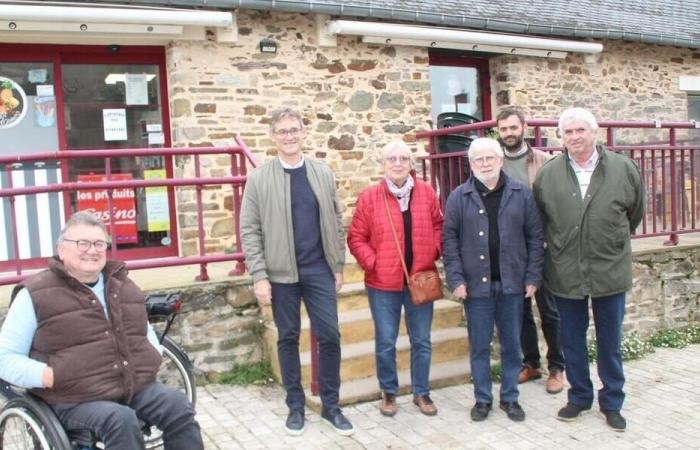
{"x": 585, "y": 171}
{"x": 292, "y": 166}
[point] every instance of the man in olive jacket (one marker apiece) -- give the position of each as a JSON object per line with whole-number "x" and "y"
{"x": 591, "y": 201}
{"x": 294, "y": 246}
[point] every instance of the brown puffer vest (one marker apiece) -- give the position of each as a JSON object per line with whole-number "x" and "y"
{"x": 92, "y": 358}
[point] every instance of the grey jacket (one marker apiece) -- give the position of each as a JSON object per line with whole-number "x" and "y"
{"x": 266, "y": 221}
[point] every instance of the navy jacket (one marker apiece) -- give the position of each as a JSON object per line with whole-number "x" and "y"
{"x": 465, "y": 240}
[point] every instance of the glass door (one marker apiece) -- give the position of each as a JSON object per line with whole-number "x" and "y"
{"x": 119, "y": 106}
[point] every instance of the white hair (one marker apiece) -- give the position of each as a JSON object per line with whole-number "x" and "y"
{"x": 485, "y": 144}
{"x": 396, "y": 145}
{"x": 577, "y": 115}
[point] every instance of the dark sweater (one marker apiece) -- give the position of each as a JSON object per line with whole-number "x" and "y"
{"x": 306, "y": 225}
{"x": 492, "y": 202}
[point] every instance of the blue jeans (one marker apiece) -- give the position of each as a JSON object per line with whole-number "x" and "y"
{"x": 386, "y": 313}
{"x": 319, "y": 295}
{"x": 550, "y": 329}
{"x": 117, "y": 425}
{"x": 608, "y": 313}
{"x": 506, "y": 311}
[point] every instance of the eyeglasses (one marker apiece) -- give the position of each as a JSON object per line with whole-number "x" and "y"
{"x": 294, "y": 132}
{"x": 403, "y": 159}
{"x": 484, "y": 160}
{"x": 84, "y": 245}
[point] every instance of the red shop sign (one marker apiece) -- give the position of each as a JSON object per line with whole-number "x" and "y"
{"x": 123, "y": 206}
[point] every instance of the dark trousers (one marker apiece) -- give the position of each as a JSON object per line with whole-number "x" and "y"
{"x": 117, "y": 425}
{"x": 608, "y": 313}
{"x": 506, "y": 312}
{"x": 318, "y": 292}
{"x": 549, "y": 317}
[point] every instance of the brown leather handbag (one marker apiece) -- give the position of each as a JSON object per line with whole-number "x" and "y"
{"x": 424, "y": 286}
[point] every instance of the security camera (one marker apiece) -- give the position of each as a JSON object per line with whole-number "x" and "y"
{"x": 114, "y": 48}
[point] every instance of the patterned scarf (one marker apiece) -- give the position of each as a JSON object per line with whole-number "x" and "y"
{"x": 403, "y": 193}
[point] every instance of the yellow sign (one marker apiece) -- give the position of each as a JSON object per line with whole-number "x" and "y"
{"x": 157, "y": 202}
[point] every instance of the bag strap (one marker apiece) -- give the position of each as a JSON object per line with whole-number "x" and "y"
{"x": 396, "y": 238}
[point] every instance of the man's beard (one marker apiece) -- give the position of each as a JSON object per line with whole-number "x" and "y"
{"x": 516, "y": 147}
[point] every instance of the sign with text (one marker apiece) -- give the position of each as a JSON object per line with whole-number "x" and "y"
{"x": 123, "y": 206}
{"x": 114, "y": 124}
{"x": 157, "y": 202}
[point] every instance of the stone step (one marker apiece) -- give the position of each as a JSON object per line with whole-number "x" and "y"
{"x": 358, "y": 359}
{"x": 442, "y": 374}
{"x": 357, "y": 325}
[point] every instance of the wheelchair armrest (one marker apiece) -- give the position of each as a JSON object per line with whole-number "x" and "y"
{"x": 162, "y": 305}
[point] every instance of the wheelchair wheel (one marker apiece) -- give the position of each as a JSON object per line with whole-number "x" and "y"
{"x": 175, "y": 372}
{"x": 26, "y": 423}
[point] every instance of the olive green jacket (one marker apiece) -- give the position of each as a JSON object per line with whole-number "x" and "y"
{"x": 267, "y": 233}
{"x": 588, "y": 240}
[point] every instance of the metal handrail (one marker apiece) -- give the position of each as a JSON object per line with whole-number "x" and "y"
{"x": 241, "y": 158}
{"x": 668, "y": 170}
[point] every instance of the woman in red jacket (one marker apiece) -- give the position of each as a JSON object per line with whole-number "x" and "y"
{"x": 415, "y": 213}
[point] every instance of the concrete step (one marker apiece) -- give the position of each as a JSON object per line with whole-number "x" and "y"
{"x": 356, "y": 325}
{"x": 358, "y": 359}
{"x": 442, "y": 374}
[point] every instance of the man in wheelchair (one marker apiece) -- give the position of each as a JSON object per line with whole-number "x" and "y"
{"x": 77, "y": 336}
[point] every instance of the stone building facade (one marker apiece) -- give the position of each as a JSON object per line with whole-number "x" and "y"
{"x": 356, "y": 97}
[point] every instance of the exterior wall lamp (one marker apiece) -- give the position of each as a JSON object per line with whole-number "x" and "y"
{"x": 268, "y": 45}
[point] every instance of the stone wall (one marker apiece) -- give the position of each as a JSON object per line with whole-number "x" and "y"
{"x": 355, "y": 98}
{"x": 627, "y": 81}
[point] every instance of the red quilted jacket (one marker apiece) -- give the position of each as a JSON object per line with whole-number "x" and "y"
{"x": 371, "y": 241}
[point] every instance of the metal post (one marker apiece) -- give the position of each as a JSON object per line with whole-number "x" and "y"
{"x": 203, "y": 276}
{"x": 673, "y": 237}
{"x": 237, "y": 161}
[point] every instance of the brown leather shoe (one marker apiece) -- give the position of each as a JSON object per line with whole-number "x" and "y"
{"x": 555, "y": 381}
{"x": 528, "y": 373}
{"x": 425, "y": 404}
{"x": 387, "y": 405}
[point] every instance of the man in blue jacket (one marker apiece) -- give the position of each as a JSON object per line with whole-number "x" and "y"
{"x": 493, "y": 255}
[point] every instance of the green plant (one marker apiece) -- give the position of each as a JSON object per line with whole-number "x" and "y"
{"x": 253, "y": 373}
{"x": 634, "y": 347}
{"x": 496, "y": 372}
{"x": 670, "y": 338}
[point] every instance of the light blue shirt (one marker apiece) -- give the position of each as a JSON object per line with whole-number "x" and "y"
{"x": 17, "y": 334}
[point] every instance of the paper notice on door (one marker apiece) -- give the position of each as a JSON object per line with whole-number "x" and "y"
{"x": 136, "y": 89}
{"x": 114, "y": 124}
{"x": 156, "y": 139}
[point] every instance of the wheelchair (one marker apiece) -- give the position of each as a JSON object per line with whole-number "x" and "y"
{"x": 27, "y": 422}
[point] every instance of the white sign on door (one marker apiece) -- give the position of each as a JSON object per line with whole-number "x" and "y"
{"x": 114, "y": 124}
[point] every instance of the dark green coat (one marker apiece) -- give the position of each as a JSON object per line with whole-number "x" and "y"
{"x": 588, "y": 240}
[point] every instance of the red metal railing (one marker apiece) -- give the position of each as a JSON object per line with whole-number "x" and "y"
{"x": 240, "y": 157}
{"x": 669, "y": 171}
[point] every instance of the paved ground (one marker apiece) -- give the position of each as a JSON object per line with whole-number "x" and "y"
{"x": 662, "y": 410}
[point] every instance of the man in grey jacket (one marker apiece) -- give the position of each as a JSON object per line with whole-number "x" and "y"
{"x": 591, "y": 200}
{"x": 294, "y": 245}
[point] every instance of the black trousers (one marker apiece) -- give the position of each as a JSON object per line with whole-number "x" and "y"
{"x": 549, "y": 315}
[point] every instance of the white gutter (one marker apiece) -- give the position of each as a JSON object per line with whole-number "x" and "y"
{"x": 165, "y": 16}
{"x": 431, "y": 34}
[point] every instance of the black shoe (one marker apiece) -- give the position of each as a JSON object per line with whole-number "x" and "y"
{"x": 514, "y": 411}
{"x": 338, "y": 422}
{"x": 615, "y": 420}
{"x": 570, "y": 412}
{"x": 295, "y": 423}
{"x": 480, "y": 411}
